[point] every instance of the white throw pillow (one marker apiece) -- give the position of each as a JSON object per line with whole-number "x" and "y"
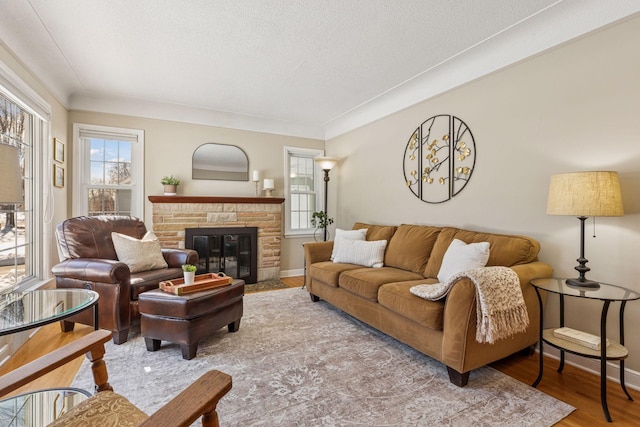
{"x": 360, "y": 234}
{"x": 361, "y": 252}
{"x": 462, "y": 257}
{"x": 139, "y": 255}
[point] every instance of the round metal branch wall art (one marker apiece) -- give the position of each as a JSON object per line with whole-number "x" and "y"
{"x": 439, "y": 158}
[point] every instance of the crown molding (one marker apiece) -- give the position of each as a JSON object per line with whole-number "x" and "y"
{"x": 193, "y": 115}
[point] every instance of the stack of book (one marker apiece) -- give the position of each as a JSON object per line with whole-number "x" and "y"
{"x": 578, "y": 337}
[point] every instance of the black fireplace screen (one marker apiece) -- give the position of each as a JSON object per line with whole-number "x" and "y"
{"x": 231, "y": 250}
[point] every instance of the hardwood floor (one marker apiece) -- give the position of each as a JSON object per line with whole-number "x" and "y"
{"x": 574, "y": 386}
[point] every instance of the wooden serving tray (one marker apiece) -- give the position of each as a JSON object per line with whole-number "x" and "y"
{"x": 201, "y": 282}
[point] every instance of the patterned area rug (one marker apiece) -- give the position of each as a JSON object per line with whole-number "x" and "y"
{"x": 298, "y": 363}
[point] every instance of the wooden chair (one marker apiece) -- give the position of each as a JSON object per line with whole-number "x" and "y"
{"x": 198, "y": 400}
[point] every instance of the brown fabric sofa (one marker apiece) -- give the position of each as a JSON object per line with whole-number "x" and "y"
{"x": 444, "y": 329}
{"x": 90, "y": 262}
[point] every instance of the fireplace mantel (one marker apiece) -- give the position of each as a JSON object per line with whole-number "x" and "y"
{"x": 215, "y": 199}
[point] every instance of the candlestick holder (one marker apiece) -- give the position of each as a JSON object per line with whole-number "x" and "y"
{"x": 256, "y": 179}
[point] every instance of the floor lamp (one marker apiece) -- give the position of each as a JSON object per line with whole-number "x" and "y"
{"x": 326, "y": 164}
{"x": 584, "y": 194}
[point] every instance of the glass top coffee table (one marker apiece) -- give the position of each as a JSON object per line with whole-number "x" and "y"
{"x": 20, "y": 311}
{"x": 39, "y": 408}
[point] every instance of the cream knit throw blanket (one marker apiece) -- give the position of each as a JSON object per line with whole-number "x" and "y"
{"x": 500, "y": 308}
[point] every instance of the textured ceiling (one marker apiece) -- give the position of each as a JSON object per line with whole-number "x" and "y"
{"x": 301, "y": 63}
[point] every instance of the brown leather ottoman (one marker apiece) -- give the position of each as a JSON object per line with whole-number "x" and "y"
{"x": 187, "y": 319}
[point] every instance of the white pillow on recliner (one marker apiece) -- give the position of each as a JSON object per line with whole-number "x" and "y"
{"x": 462, "y": 257}
{"x": 139, "y": 255}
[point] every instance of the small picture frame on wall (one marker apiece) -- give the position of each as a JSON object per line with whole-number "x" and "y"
{"x": 58, "y": 176}
{"x": 58, "y": 150}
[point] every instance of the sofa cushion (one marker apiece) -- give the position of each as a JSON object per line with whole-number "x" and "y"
{"x": 346, "y": 235}
{"x": 327, "y": 272}
{"x": 397, "y": 298}
{"x": 377, "y": 232}
{"x": 360, "y": 252}
{"x": 461, "y": 256}
{"x": 410, "y": 247}
{"x": 505, "y": 250}
{"x": 365, "y": 282}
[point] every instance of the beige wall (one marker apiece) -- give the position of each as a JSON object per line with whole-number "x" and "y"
{"x": 573, "y": 108}
{"x": 170, "y": 145}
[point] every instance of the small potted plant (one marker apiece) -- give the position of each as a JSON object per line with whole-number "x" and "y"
{"x": 170, "y": 185}
{"x": 321, "y": 221}
{"x": 189, "y": 271}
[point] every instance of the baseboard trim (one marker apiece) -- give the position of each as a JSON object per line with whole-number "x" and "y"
{"x": 292, "y": 273}
{"x": 631, "y": 377}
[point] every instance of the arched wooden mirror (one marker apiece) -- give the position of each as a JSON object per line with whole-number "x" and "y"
{"x": 220, "y": 161}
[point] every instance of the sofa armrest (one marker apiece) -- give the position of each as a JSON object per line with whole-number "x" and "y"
{"x": 460, "y": 321}
{"x": 93, "y": 270}
{"x": 532, "y": 270}
{"x": 175, "y": 258}
{"x": 459, "y": 311}
{"x": 526, "y": 273}
{"x": 317, "y": 252}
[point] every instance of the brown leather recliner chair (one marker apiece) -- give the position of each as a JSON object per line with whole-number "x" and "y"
{"x": 90, "y": 262}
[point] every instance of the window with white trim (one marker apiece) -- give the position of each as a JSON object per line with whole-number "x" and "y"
{"x": 24, "y": 230}
{"x": 109, "y": 173}
{"x": 25, "y": 227}
{"x": 303, "y": 192}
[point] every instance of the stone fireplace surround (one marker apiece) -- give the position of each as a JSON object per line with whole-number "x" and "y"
{"x": 172, "y": 214}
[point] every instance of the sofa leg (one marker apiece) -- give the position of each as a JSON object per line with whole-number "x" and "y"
{"x": 234, "y": 327}
{"x": 189, "y": 351}
{"x": 314, "y": 298}
{"x": 66, "y": 326}
{"x": 457, "y": 378}
{"x": 529, "y": 351}
{"x": 152, "y": 344}
{"x": 120, "y": 337}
